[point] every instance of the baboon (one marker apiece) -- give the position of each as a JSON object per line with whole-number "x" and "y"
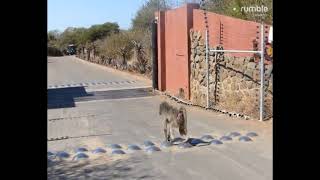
{"x": 173, "y": 118}
{"x": 181, "y": 93}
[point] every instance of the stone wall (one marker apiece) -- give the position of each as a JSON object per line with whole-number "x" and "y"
{"x": 234, "y": 82}
{"x": 131, "y": 65}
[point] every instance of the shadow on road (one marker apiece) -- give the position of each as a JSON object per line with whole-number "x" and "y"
{"x": 103, "y": 169}
{"x": 66, "y": 97}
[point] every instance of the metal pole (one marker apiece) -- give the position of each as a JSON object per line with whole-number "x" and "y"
{"x": 234, "y": 51}
{"x": 262, "y": 74}
{"x": 207, "y": 51}
{"x": 154, "y": 44}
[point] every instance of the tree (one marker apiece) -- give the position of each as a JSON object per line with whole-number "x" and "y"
{"x": 145, "y": 14}
{"x": 142, "y": 48}
{"x": 67, "y": 37}
{"x": 82, "y": 36}
{"x": 141, "y": 30}
{"x": 124, "y": 46}
{"x": 53, "y": 34}
{"x": 96, "y": 32}
{"x": 53, "y": 37}
{"x": 117, "y": 45}
{"x": 106, "y": 49}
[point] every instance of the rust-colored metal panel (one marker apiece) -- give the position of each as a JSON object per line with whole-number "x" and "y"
{"x": 177, "y": 50}
{"x": 235, "y": 33}
{"x": 161, "y": 50}
{"x": 174, "y": 43}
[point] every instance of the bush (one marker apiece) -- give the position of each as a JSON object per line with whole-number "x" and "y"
{"x": 53, "y": 51}
{"x": 117, "y": 47}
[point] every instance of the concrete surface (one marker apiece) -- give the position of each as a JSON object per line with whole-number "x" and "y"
{"x": 127, "y": 119}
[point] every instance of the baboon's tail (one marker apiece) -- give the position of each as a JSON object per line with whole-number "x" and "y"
{"x": 184, "y": 131}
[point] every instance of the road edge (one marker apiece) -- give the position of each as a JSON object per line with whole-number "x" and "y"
{"x": 112, "y": 70}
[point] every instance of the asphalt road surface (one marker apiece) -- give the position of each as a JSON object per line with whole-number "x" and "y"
{"x": 92, "y": 106}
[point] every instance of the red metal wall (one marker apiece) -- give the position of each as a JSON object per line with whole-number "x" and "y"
{"x": 174, "y": 42}
{"x": 236, "y": 34}
{"x": 173, "y": 49}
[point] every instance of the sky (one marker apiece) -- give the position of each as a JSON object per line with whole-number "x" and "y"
{"x": 84, "y": 13}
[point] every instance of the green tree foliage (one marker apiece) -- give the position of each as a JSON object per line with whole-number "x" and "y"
{"x": 52, "y": 37}
{"x": 81, "y": 36}
{"x": 235, "y": 8}
{"x": 68, "y": 36}
{"x": 53, "y": 51}
{"x": 145, "y": 14}
{"x": 96, "y": 32}
{"x": 141, "y": 31}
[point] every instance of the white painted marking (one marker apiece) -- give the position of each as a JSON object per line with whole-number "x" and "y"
{"x": 121, "y": 99}
{"x": 114, "y": 88}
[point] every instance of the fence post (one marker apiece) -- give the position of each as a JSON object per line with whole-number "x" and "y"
{"x": 154, "y": 44}
{"x": 207, "y": 61}
{"x": 262, "y": 74}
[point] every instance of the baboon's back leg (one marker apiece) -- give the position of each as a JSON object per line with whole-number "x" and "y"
{"x": 165, "y": 128}
{"x": 171, "y": 131}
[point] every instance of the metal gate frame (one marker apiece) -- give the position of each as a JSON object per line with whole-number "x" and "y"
{"x": 261, "y": 52}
